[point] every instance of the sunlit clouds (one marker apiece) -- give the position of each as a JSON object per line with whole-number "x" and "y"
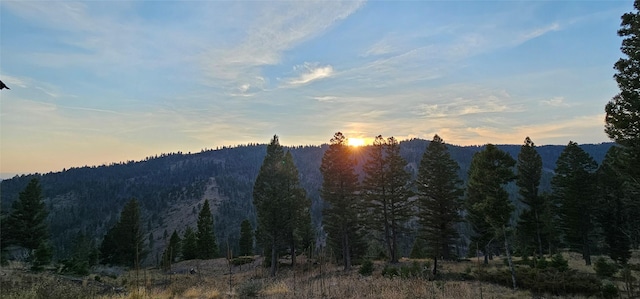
{"x": 107, "y": 81}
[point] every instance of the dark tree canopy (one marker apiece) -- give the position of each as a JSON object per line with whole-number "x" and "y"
{"x": 623, "y": 111}
{"x": 386, "y": 192}
{"x": 439, "y": 199}
{"x": 612, "y": 212}
{"x": 281, "y": 203}
{"x": 530, "y": 225}
{"x": 189, "y": 244}
{"x": 574, "y": 189}
{"x": 26, "y": 224}
{"x": 207, "y": 246}
{"x": 340, "y": 193}
{"x": 246, "y": 238}
{"x": 124, "y": 243}
{"x": 488, "y": 206}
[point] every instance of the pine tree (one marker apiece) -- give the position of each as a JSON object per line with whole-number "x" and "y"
{"x": 26, "y": 225}
{"x": 297, "y": 205}
{"x": 280, "y": 201}
{"x": 573, "y": 190}
{"x": 439, "y": 200}
{"x": 189, "y": 244}
{"x": 206, "y": 238}
{"x": 623, "y": 114}
{"x": 385, "y": 189}
{"x": 611, "y": 211}
{"x": 340, "y": 193}
{"x": 488, "y": 205}
{"x": 623, "y": 111}
{"x": 172, "y": 251}
{"x": 530, "y": 224}
{"x": 246, "y": 238}
{"x": 124, "y": 243}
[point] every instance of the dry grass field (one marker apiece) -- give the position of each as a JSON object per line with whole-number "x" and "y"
{"x": 212, "y": 280}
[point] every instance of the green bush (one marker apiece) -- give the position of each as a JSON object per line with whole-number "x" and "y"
{"x": 604, "y": 269}
{"x": 550, "y": 280}
{"x": 242, "y": 260}
{"x": 390, "y": 271}
{"x": 609, "y": 290}
{"x": 250, "y": 288}
{"x": 367, "y": 268}
{"x": 559, "y": 262}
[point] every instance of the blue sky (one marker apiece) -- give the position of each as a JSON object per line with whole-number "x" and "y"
{"x": 108, "y": 81}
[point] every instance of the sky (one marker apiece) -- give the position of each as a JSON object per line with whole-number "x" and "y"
{"x": 98, "y": 82}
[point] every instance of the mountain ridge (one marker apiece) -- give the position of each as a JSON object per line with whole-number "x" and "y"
{"x": 170, "y": 187}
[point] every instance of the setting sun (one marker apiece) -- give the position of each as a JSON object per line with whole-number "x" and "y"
{"x": 356, "y": 142}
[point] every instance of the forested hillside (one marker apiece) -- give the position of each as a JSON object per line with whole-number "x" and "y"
{"x": 171, "y": 188}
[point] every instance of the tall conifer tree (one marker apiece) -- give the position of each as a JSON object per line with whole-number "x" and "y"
{"x": 124, "y": 243}
{"x": 340, "y": 193}
{"x": 439, "y": 200}
{"x": 207, "y": 246}
{"x": 386, "y": 190}
{"x": 574, "y": 190}
{"x": 530, "y": 225}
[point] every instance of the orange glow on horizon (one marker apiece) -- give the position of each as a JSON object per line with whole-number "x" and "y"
{"x": 355, "y": 142}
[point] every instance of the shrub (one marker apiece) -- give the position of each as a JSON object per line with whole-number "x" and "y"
{"x": 609, "y": 290}
{"x": 390, "y": 271}
{"x": 559, "y": 262}
{"x": 549, "y": 280}
{"x": 604, "y": 269}
{"x": 242, "y": 260}
{"x": 367, "y": 268}
{"x": 250, "y": 288}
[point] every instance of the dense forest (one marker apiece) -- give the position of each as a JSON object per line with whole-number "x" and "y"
{"x": 172, "y": 187}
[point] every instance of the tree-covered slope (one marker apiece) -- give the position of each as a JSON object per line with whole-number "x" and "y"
{"x": 89, "y": 199}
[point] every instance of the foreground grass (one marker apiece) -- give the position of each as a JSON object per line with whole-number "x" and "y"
{"x": 212, "y": 280}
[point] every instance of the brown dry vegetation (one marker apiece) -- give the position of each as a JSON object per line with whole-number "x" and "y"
{"x": 212, "y": 280}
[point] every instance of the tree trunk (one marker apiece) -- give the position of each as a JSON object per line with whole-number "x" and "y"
{"x": 293, "y": 252}
{"x": 506, "y": 248}
{"x": 346, "y": 252}
{"x": 538, "y": 233}
{"x": 435, "y": 266}
{"x": 274, "y": 258}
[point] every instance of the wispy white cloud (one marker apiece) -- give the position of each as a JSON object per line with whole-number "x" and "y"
{"x": 309, "y": 72}
{"x": 555, "y": 102}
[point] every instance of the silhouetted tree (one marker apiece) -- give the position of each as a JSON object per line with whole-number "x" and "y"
{"x": 488, "y": 205}
{"x": 246, "y": 238}
{"x": 189, "y": 244}
{"x": 207, "y": 246}
{"x": 530, "y": 225}
{"x": 612, "y": 209}
{"x": 574, "y": 190}
{"x": 439, "y": 200}
{"x": 124, "y": 243}
{"x": 26, "y": 225}
{"x": 340, "y": 193}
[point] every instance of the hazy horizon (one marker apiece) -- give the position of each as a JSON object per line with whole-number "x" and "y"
{"x": 106, "y": 81}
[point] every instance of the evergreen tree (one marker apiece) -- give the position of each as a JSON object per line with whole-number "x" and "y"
{"x": 623, "y": 114}
{"x": 488, "y": 205}
{"x": 124, "y": 243}
{"x": 340, "y": 193}
{"x": 623, "y": 111}
{"x": 612, "y": 214}
{"x": 574, "y": 191}
{"x": 206, "y": 244}
{"x": 84, "y": 255}
{"x": 281, "y": 203}
{"x": 26, "y": 224}
{"x": 172, "y": 251}
{"x": 246, "y": 238}
{"x": 385, "y": 189}
{"x": 439, "y": 200}
{"x": 189, "y": 244}
{"x": 297, "y": 207}
{"x": 530, "y": 225}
